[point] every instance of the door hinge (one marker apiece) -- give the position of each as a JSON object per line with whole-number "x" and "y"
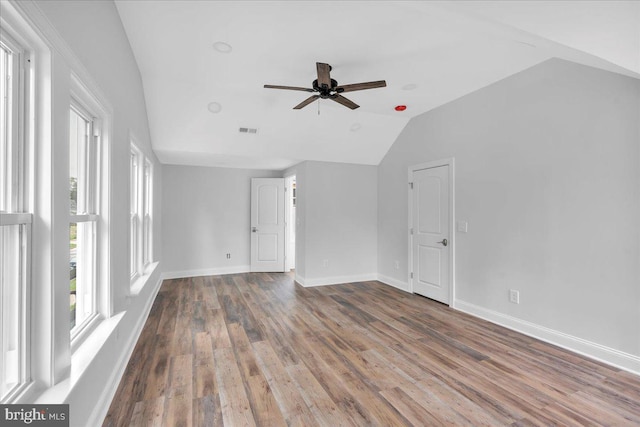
{"x": 412, "y": 275}
{"x": 411, "y": 185}
{"x": 411, "y": 231}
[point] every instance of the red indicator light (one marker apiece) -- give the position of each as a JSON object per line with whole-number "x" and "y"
{"x": 401, "y": 107}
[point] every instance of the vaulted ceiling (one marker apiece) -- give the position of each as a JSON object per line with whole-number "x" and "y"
{"x": 198, "y": 95}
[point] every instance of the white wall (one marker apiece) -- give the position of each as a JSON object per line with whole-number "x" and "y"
{"x": 86, "y": 38}
{"x": 206, "y": 214}
{"x": 337, "y": 211}
{"x": 548, "y": 178}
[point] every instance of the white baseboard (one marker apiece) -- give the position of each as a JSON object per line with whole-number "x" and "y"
{"x": 335, "y": 280}
{"x": 403, "y": 286}
{"x": 234, "y": 269}
{"x": 109, "y": 391}
{"x": 610, "y": 356}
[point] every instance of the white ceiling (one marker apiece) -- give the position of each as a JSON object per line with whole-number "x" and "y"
{"x": 444, "y": 49}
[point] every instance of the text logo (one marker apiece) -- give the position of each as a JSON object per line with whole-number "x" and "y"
{"x": 34, "y": 415}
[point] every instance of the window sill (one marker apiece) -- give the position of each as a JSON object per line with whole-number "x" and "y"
{"x": 82, "y": 358}
{"x": 85, "y": 331}
{"x": 21, "y": 393}
{"x": 138, "y": 284}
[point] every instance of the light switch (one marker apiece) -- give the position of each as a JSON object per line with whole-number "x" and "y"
{"x": 462, "y": 226}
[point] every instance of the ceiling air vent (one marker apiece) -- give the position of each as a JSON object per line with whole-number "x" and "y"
{"x": 248, "y": 130}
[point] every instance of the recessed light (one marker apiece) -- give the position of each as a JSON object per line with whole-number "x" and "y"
{"x": 410, "y": 86}
{"x": 214, "y": 107}
{"x": 222, "y": 47}
{"x": 355, "y": 127}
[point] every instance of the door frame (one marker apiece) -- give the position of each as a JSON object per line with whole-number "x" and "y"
{"x": 450, "y": 161}
{"x": 288, "y": 194}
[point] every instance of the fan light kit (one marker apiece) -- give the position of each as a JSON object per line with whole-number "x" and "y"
{"x": 327, "y": 88}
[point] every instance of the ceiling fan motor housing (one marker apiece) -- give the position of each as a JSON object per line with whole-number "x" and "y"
{"x": 324, "y": 91}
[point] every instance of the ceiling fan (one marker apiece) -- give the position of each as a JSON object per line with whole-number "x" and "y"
{"x": 328, "y": 88}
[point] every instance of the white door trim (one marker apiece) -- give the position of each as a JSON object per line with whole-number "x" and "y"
{"x": 452, "y": 265}
{"x": 288, "y": 194}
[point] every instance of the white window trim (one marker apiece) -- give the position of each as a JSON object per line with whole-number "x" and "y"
{"x": 19, "y": 206}
{"x": 147, "y": 215}
{"x": 135, "y": 246}
{"x": 141, "y": 243}
{"x": 50, "y": 357}
{"x": 88, "y": 170}
{"x": 90, "y": 106}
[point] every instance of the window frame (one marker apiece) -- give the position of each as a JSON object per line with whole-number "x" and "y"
{"x": 88, "y": 164}
{"x": 147, "y": 215}
{"x": 134, "y": 209}
{"x": 88, "y": 106}
{"x": 141, "y": 214}
{"x": 17, "y": 195}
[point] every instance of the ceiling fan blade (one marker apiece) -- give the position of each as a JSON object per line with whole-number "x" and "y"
{"x": 323, "y": 74}
{"x": 344, "y": 101}
{"x": 361, "y": 86}
{"x": 304, "y": 89}
{"x": 306, "y": 102}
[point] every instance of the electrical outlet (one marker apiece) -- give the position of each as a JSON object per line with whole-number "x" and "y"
{"x": 228, "y": 256}
{"x": 325, "y": 263}
{"x": 514, "y": 296}
{"x": 397, "y": 265}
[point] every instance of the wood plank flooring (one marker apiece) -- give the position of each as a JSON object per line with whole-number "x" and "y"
{"x": 257, "y": 349}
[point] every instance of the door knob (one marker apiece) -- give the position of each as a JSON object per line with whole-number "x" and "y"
{"x": 254, "y": 229}
{"x": 444, "y": 242}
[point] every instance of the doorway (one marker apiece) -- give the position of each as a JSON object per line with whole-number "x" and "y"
{"x": 290, "y": 223}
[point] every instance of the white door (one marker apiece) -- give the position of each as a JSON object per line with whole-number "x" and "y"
{"x": 431, "y": 248}
{"x": 267, "y": 224}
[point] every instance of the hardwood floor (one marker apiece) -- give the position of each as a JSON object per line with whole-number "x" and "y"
{"x": 256, "y": 349}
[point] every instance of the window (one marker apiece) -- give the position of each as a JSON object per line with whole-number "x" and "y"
{"x": 140, "y": 178}
{"x": 134, "y": 217}
{"x": 147, "y": 256}
{"x": 15, "y": 218}
{"x": 83, "y": 200}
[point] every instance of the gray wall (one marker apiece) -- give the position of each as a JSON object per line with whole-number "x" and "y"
{"x": 206, "y": 214}
{"x": 339, "y": 220}
{"x": 547, "y": 176}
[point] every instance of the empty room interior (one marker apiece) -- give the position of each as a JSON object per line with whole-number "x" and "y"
{"x": 320, "y": 212}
